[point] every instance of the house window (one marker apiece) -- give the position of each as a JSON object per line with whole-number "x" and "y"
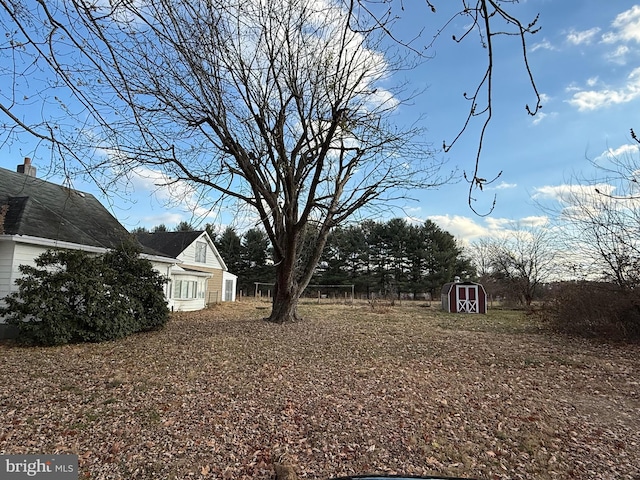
{"x": 185, "y": 289}
{"x": 201, "y": 252}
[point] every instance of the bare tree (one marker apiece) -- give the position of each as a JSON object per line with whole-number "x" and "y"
{"x": 525, "y": 258}
{"x": 282, "y": 106}
{"x": 599, "y": 221}
{"x": 490, "y": 19}
{"x": 481, "y": 252}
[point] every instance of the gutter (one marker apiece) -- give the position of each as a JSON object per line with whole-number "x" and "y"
{"x": 49, "y": 243}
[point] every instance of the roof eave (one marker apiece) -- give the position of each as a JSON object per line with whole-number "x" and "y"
{"x": 49, "y": 243}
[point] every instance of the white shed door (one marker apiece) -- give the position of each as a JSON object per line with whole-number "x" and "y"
{"x": 467, "y": 296}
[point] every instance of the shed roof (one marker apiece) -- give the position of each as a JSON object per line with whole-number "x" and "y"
{"x": 446, "y": 288}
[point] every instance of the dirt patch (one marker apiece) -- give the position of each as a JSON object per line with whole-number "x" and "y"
{"x": 410, "y": 390}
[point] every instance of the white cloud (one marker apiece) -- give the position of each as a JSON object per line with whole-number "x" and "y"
{"x": 583, "y": 37}
{"x": 468, "y": 229}
{"x": 621, "y": 151}
{"x": 620, "y": 52}
{"x": 505, "y": 186}
{"x": 577, "y": 203}
{"x": 544, "y": 45}
{"x": 572, "y": 87}
{"x": 626, "y": 27}
{"x": 592, "y": 82}
{"x": 587, "y": 100}
{"x": 534, "y": 221}
{"x": 180, "y": 199}
{"x": 566, "y": 193}
{"x": 539, "y": 117}
{"x": 463, "y": 228}
{"x": 495, "y": 223}
{"x": 162, "y": 186}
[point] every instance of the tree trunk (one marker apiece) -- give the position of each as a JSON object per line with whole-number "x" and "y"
{"x": 285, "y": 295}
{"x": 291, "y": 281}
{"x": 285, "y": 306}
{"x": 286, "y": 291}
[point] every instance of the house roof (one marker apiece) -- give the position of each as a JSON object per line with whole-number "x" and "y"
{"x": 174, "y": 243}
{"x": 168, "y": 243}
{"x": 46, "y": 210}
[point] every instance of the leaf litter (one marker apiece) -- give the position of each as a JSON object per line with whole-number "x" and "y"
{"x": 406, "y": 389}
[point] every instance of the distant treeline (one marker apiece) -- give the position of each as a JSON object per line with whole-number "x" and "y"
{"x": 386, "y": 258}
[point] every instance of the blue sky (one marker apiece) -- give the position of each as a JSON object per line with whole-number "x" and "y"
{"x": 586, "y": 64}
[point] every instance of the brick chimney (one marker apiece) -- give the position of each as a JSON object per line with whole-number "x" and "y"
{"x": 27, "y": 168}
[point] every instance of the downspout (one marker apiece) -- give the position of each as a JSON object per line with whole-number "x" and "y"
{"x": 167, "y": 292}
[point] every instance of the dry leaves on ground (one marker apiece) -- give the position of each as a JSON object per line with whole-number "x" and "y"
{"x": 407, "y": 390}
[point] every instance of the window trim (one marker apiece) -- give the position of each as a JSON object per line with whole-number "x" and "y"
{"x": 201, "y": 252}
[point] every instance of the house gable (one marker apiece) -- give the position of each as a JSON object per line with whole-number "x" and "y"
{"x": 194, "y": 249}
{"x": 202, "y": 253}
{"x": 36, "y": 215}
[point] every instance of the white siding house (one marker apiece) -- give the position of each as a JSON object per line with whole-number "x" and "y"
{"x": 202, "y": 277}
{"x": 16, "y": 250}
{"x": 6, "y": 267}
{"x": 36, "y": 215}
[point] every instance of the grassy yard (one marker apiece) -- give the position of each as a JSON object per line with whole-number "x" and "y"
{"x": 404, "y": 389}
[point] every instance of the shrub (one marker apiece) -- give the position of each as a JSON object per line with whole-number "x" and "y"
{"x": 140, "y": 283}
{"x": 71, "y": 296}
{"x": 594, "y": 309}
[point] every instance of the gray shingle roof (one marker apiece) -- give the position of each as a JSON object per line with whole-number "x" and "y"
{"x": 43, "y": 209}
{"x": 168, "y": 243}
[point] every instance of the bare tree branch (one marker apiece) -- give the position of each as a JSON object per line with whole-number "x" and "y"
{"x": 484, "y": 17}
{"x": 280, "y": 106}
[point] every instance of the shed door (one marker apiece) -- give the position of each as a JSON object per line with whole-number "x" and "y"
{"x": 467, "y": 296}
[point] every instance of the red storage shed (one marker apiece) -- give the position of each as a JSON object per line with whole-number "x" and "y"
{"x": 464, "y": 297}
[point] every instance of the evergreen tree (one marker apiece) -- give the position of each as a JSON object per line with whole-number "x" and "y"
{"x": 211, "y": 231}
{"x": 444, "y": 257}
{"x": 392, "y": 258}
{"x": 184, "y": 227}
{"x": 254, "y": 256}
{"x": 229, "y": 247}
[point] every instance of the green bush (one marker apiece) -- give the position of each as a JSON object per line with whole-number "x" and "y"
{"x": 71, "y": 296}
{"x": 598, "y": 310}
